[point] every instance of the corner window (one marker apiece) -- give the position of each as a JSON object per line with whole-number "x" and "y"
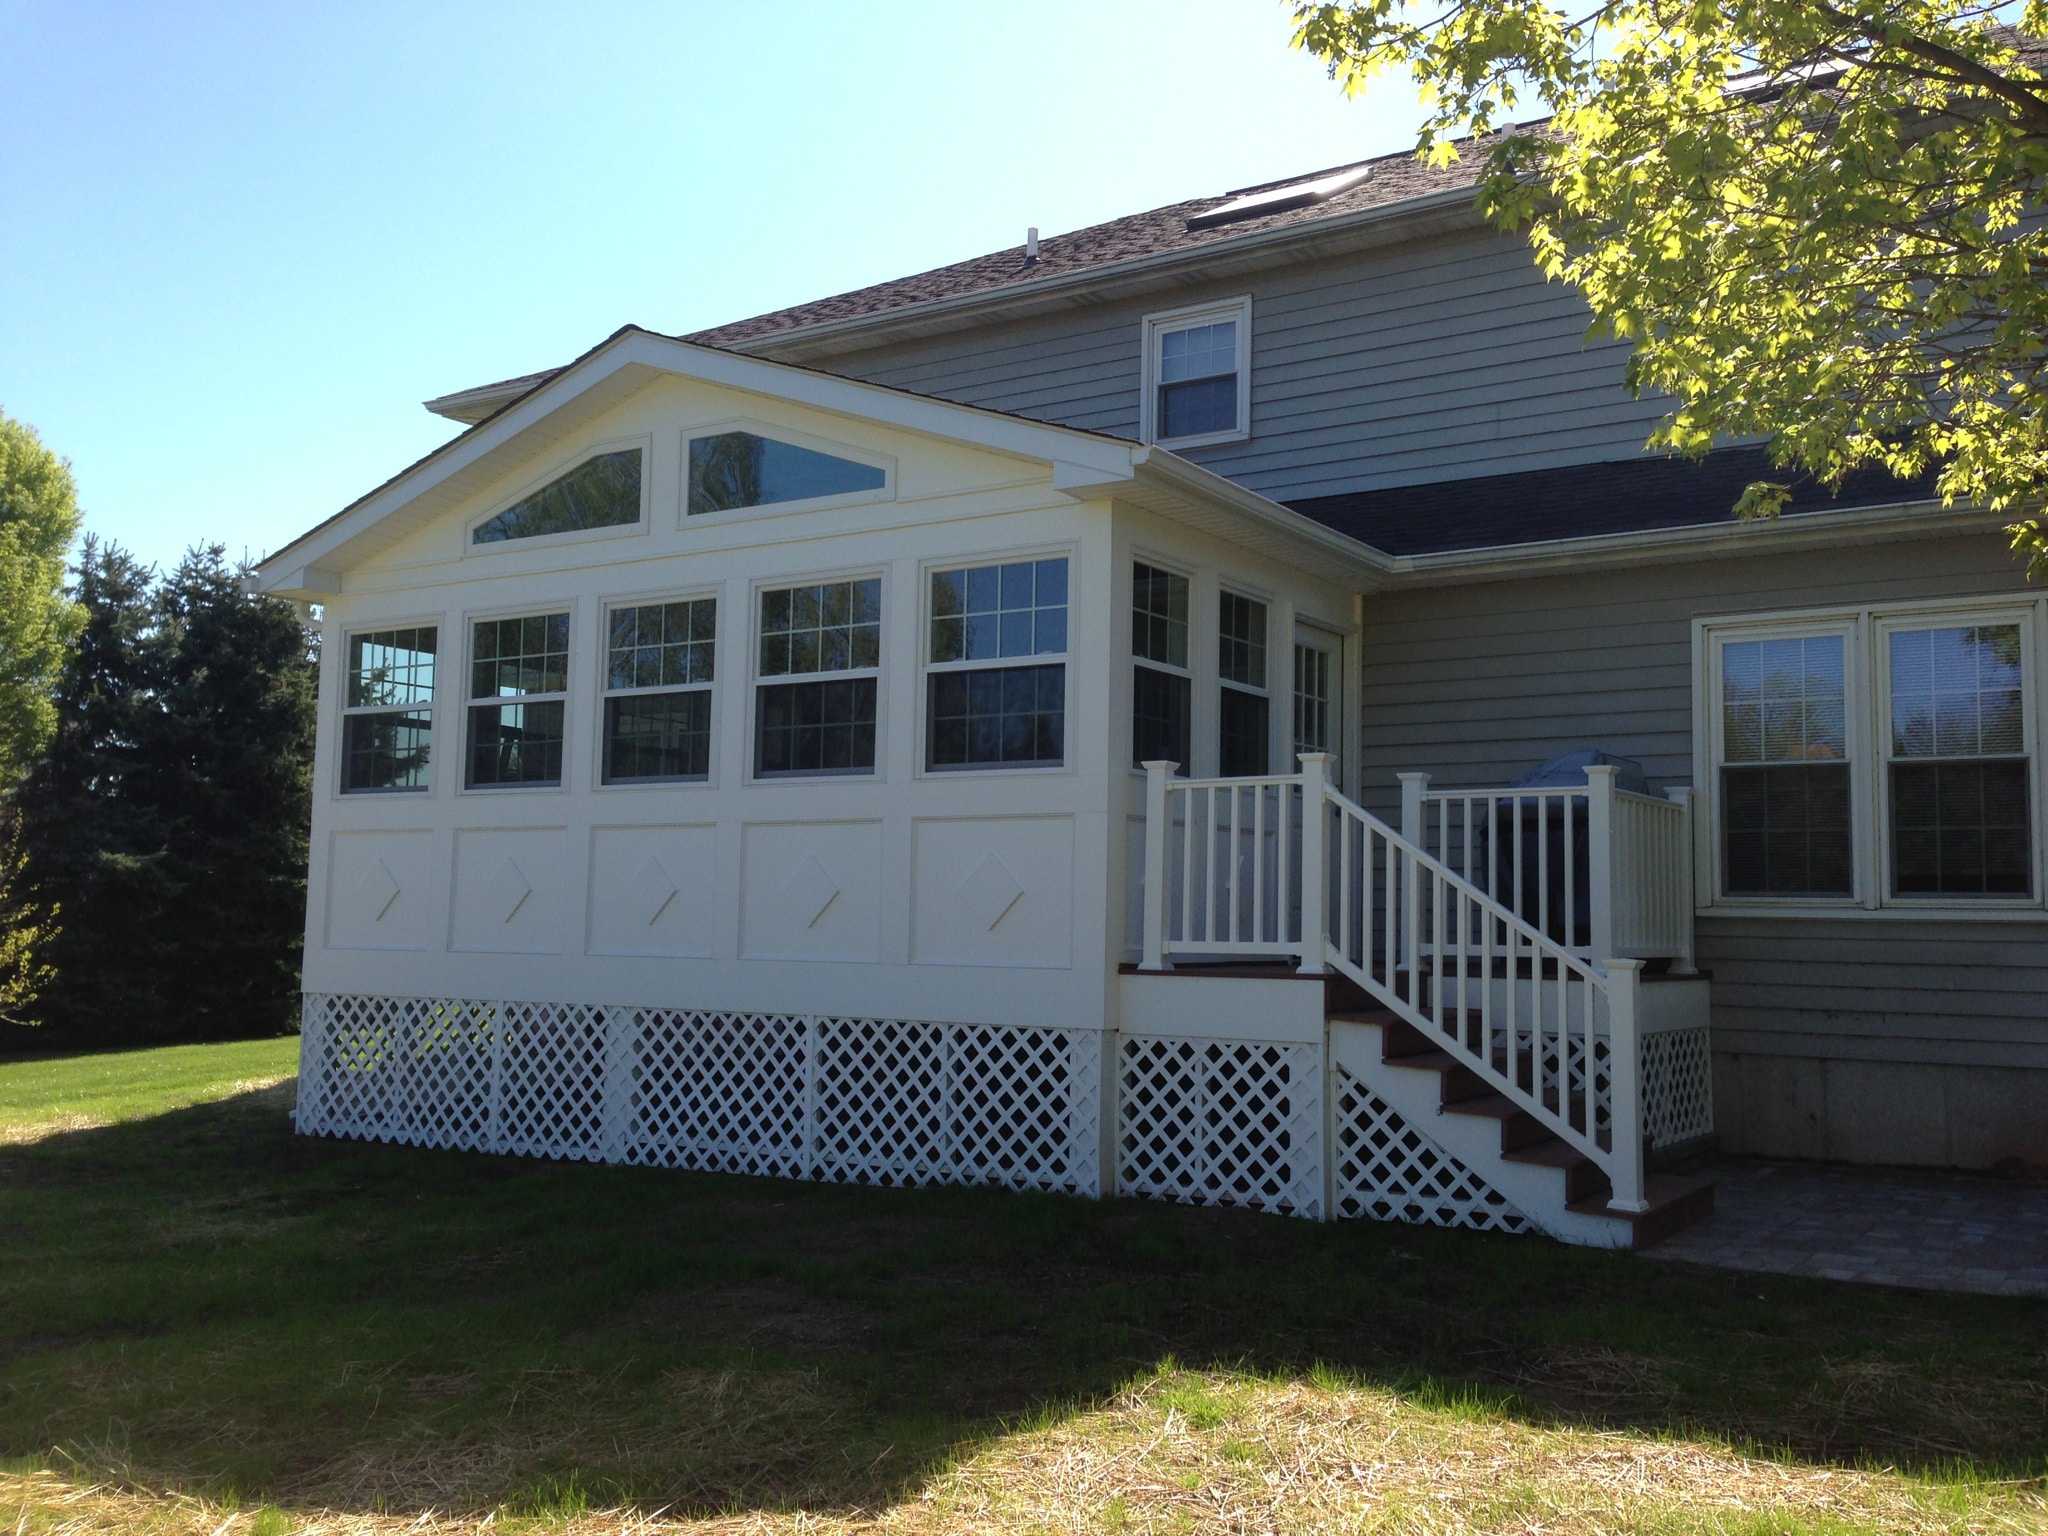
{"x": 387, "y": 722}
{"x": 1960, "y": 772}
{"x": 730, "y": 471}
{"x": 601, "y": 492}
{"x": 996, "y": 682}
{"x": 659, "y": 663}
{"x": 1197, "y": 383}
{"x": 1161, "y": 686}
{"x": 828, "y": 635}
{"x": 518, "y": 690}
{"x": 1244, "y": 745}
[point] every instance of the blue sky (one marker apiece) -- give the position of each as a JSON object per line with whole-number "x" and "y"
{"x": 245, "y": 242}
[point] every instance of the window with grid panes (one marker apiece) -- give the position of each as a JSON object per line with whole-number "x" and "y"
{"x": 1162, "y": 688}
{"x": 518, "y": 692}
{"x": 996, "y": 682}
{"x": 660, "y": 662}
{"x": 388, "y": 710}
{"x": 825, "y": 638}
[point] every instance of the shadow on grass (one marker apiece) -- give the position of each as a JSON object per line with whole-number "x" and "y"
{"x": 211, "y": 1303}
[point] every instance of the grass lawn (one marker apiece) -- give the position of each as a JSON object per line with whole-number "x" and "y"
{"x": 209, "y": 1325}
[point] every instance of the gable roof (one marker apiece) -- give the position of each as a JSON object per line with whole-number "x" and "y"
{"x": 1174, "y": 229}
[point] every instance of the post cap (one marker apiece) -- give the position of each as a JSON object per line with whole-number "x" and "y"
{"x": 1160, "y": 765}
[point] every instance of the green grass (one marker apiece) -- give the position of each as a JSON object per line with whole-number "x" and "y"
{"x": 111, "y": 1086}
{"x": 206, "y": 1318}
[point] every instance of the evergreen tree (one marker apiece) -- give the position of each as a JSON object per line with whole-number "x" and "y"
{"x": 95, "y": 848}
{"x": 229, "y": 779}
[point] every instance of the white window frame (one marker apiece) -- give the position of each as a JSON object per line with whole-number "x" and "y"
{"x": 439, "y": 625}
{"x": 1867, "y": 672}
{"x": 886, "y": 463}
{"x": 1131, "y": 563}
{"x": 757, "y": 680}
{"x": 1224, "y": 593}
{"x": 470, "y": 704}
{"x": 599, "y": 775}
{"x": 644, "y": 444}
{"x": 1156, "y": 327}
{"x": 927, "y": 667}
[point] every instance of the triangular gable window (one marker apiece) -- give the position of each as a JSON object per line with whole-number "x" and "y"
{"x": 733, "y": 470}
{"x": 601, "y": 492}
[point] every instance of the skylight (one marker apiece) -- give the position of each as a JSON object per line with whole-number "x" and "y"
{"x": 1293, "y": 194}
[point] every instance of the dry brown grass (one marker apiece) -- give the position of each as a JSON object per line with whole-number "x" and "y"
{"x": 22, "y": 1133}
{"x": 1178, "y": 1452}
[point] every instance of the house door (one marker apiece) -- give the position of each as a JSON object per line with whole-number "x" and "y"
{"x": 1319, "y": 695}
{"x": 1318, "y": 727}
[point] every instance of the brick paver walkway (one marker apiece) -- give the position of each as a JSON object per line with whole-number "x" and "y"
{"x": 1944, "y": 1232}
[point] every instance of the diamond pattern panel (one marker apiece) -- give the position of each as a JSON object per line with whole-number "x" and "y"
{"x": 886, "y": 1101}
{"x": 552, "y": 1080}
{"x": 723, "y": 1092}
{"x": 1389, "y": 1171}
{"x": 1221, "y": 1122}
{"x": 1677, "y": 1086}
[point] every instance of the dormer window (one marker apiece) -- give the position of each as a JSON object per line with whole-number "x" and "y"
{"x": 1198, "y": 375}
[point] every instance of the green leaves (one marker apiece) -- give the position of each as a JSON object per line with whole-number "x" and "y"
{"x": 38, "y": 520}
{"x": 1815, "y": 222}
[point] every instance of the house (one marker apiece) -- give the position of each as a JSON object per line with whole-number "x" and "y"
{"x": 1063, "y": 720}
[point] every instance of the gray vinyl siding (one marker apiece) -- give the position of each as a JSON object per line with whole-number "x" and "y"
{"x": 1880, "y": 1039}
{"x": 1434, "y": 360}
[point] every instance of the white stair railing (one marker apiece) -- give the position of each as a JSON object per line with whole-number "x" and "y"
{"x": 1285, "y": 865}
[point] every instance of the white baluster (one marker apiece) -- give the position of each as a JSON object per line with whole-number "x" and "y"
{"x": 1157, "y": 776}
{"x": 1315, "y": 890}
{"x": 1600, "y": 858}
{"x": 1624, "y": 1086}
{"x": 1681, "y": 881}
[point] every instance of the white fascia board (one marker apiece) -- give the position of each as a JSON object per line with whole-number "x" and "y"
{"x": 1348, "y": 556}
{"x": 1080, "y": 455}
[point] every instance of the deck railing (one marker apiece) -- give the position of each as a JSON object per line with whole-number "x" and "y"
{"x": 1603, "y": 871}
{"x": 1467, "y": 922}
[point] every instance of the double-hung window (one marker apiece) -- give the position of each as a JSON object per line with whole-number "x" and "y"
{"x": 1244, "y": 740}
{"x": 518, "y": 692}
{"x": 819, "y": 670}
{"x": 1197, "y": 374}
{"x": 1959, "y": 766}
{"x": 996, "y": 682}
{"x": 1161, "y": 685}
{"x": 387, "y": 722}
{"x": 1875, "y": 758}
{"x": 659, "y": 664}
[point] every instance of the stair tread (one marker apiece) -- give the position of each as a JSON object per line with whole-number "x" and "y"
{"x": 1549, "y": 1154}
{"x": 1492, "y": 1106}
{"x": 1661, "y": 1190}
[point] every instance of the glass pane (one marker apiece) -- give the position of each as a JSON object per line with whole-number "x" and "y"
{"x": 1206, "y": 405}
{"x": 386, "y": 751}
{"x": 1159, "y": 628}
{"x": 1957, "y": 691}
{"x": 823, "y": 727}
{"x": 828, "y": 628}
{"x": 1785, "y": 830}
{"x": 1961, "y": 829}
{"x": 1159, "y": 716}
{"x": 1244, "y": 746}
{"x": 1001, "y": 718}
{"x": 531, "y": 656}
{"x": 658, "y": 736}
{"x": 603, "y": 492}
{"x": 742, "y": 469}
{"x": 394, "y": 666}
{"x": 515, "y": 744}
{"x": 1784, "y": 701}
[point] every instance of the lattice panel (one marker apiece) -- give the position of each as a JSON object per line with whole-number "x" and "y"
{"x": 1677, "y": 1086}
{"x": 1389, "y": 1171}
{"x": 1221, "y": 1122}
{"x": 351, "y": 1065}
{"x": 725, "y": 1092}
{"x": 551, "y": 1079}
{"x": 880, "y": 1101}
{"x": 886, "y": 1101}
{"x": 448, "y": 1097}
{"x": 1575, "y": 1072}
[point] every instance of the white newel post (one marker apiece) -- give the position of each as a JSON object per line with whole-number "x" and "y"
{"x": 1681, "y": 796}
{"x": 1315, "y": 881}
{"x": 1606, "y": 879}
{"x": 1158, "y": 774}
{"x": 1625, "y": 1084}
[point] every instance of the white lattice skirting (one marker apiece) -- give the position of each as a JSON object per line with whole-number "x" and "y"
{"x": 1221, "y": 1122}
{"x": 875, "y": 1101}
{"x": 1678, "y": 1086}
{"x": 1387, "y": 1170}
